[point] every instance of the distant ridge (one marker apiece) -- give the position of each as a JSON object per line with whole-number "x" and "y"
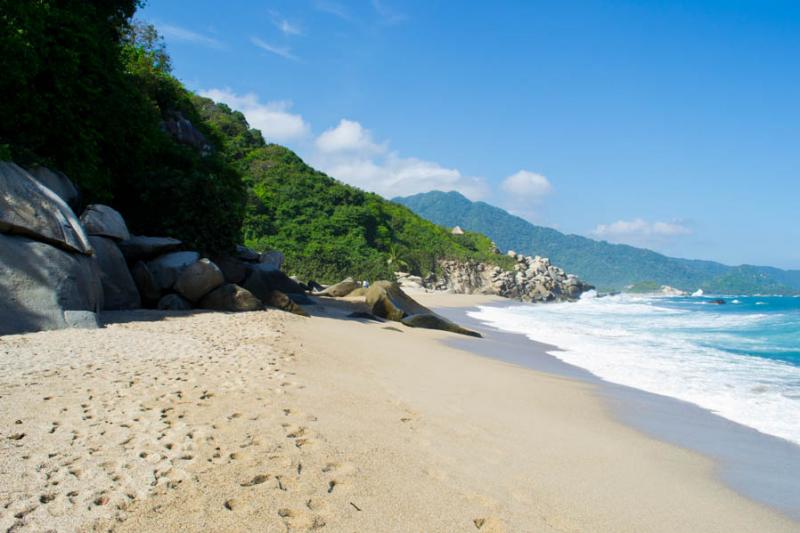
{"x": 608, "y": 266}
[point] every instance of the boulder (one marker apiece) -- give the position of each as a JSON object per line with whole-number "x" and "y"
{"x": 361, "y": 291}
{"x": 343, "y": 288}
{"x": 183, "y": 131}
{"x": 139, "y": 247}
{"x": 246, "y": 254}
{"x": 29, "y": 208}
{"x": 119, "y": 289}
{"x": 56, "y": 182}
{"x": 102, "y": 220}
{"x": 261, "y": 282}
{"x": 234, "y": 270}
{"x": 146, "y": 283}
{"x": 174, "y": 302}
{"x": 230, "y": 297}
{"x": 44, "y": 287}
{"x": 272, "y": 259}
{"x": 166, "y": 268}
{"x": 282, "y": 301}
{"x": 198, "y": 279}
{"x": 434, "y": 321}
{"x": 386, "y": 299}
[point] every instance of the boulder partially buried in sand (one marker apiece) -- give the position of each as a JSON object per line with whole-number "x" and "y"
{"x": 386, "y": 299}
{"x": 174, "y": 302}
{"x": 230, "y": 297}
{"x": 119, "y": 288}
{"x": 343, "y": 288}
{"x": 198, "y": 279}
{"x": 282, "y": 301}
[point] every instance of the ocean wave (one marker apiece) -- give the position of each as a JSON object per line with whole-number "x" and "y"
{"x": 696, "y": 356}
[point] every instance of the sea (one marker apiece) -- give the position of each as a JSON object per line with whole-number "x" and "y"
{"x": 739, "y": 359}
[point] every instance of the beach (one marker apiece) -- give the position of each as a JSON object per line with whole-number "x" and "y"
{"x": 273, "y": 422}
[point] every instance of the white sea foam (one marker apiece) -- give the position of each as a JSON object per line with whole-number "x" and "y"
{"x": 633, "y": 341}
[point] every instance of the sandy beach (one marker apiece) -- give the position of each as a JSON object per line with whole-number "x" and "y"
{"x": 267, "y": 421}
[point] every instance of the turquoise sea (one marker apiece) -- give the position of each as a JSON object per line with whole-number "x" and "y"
{"x": 739, "y": 359}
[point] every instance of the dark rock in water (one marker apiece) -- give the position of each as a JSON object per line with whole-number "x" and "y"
{"x": 198, "y": 279}
{"x": 119, "y": 288}
{"x": 434, "y": 321}
{"x": 44, "y": 287}
{"x": 364, "y": 315}
{"x": 102, "y": 220}
{"x": 282, "y": 301}
{"x": 139, "y": 247}
{"x": 718, "y": 301}
{"x": 343, "y": 288}
{"x": 260, "y": 282}
{"x": 148, "y": 289}
{"x": 166, "y": 268}
{"x": 234, "y": 270}
{"x": 230, "y": 297}
{"x": 386, "y": 299}
{"x": 174, "y": 302}
{"x": 247, "y": 254}
{"x": 58, "y": 183}
{"x": 29, "y": 208}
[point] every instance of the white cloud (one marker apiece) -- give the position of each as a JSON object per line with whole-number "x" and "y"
{"x": 274, "y": 120}
{"x": 348, "y": 136}
{"x": 641, "y": 232}
{"x": 527, "y": 186}
{"x": 286, "y": 27}
{"x": 349, "y": 153}
{"x": 387, "y": 13}
{"x": 282, "y": 51}
{"x": 332, "y": 8}
{"x": 176, "y": 33}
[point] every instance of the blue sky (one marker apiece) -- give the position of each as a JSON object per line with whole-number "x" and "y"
{"x": 665, "y": 124}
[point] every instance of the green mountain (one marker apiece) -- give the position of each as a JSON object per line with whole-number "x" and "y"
{"x": 608, "y": 266}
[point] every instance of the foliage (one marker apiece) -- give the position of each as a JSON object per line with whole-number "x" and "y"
{"x": 89, "y": 91}
{"x": 608, "y": 266}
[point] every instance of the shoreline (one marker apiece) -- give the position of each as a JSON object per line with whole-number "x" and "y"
{"x": 213, "y": 421}
{"x": 761, "y": 467}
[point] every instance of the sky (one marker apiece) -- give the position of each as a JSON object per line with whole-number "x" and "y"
{"x": 672, "y": 125}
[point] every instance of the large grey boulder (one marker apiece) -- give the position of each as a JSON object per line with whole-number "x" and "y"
{"x": 119, "y": 289}
{"x": 146, "y": 283}
{"x": 261, "y": 282}
{"x": 174, "y": 302}
{"x": 105, "y": 221}
{"x": 230, "y": 297}
{"x": 247, "y": 254}
{"x": 139, "y": 247}
{"x": 198, "y": 279}
{"x": 166, "y": 268}
{"x": 29, "y": 208}
{"x": 343, "y": 288}
{"x": 234, "y": 270}
{"x": 43, "y": 287}
{"x": 272, "y": 259}
{"x": 387, "y": 300}
{"x": 56, "y": 182}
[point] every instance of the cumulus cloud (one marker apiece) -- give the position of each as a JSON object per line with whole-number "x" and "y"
{"x": 641, "y": 232}
{"x": 274, "y": 119}
{"x": 177, "y": 33}
{"x": 349, "y": 153}
{"x": 525, "y": 185}
{"x": 282, "y": 51}
{"x": 348, "y": 136}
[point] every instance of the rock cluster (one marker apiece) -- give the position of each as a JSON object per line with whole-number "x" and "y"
{"x": 58, "y": 270}
{"x": 534, "y": 279}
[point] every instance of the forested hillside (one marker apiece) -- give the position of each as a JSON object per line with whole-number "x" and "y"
{"x": 608, "y": 266}
{"x": 92, "y": 94}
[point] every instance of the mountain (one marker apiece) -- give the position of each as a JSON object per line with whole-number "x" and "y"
{"x": 608, "y": 266}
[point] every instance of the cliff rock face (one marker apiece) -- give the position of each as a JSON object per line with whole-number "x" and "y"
{"x": 533, "y": 279}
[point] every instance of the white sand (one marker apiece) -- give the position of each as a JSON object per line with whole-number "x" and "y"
{"x": 271, "y": 422}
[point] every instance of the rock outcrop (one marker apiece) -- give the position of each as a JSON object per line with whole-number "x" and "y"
{"x": 338, "y": 290}
{"x": 534, "y": 279}
{"x": 387, "y": 300}
{"x": 58, "y": 183}
{"x": 198, "y": 279}
{"x": 102, "y": 220}
{"x": 139, "y": 247}
{"x": 119, "y": 288}
{"x": 230, "y": 297}
{"x": 166, "y": 268}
